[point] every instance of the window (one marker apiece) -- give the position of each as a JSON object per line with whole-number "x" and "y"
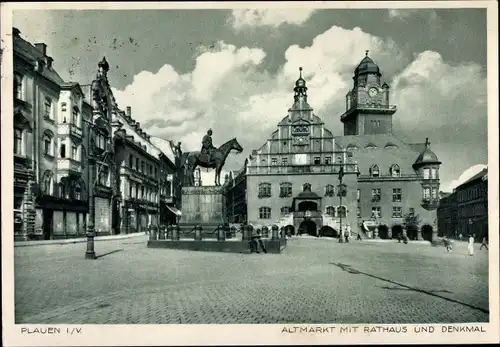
{"x": 74, "y": 118}
{"x": 143, "y": 167}
{"x": 64, "y": 107}
{"x": 137, "y": 164}
{"x": 411, "y": 211}
{"x": 285, "y": 190}
{"x": 358, "y": 212}
{"x": 48, "y": 183}
{"x": 150, "y": 170}
{"x": 156, "y": 173}
{"x": 376, "y": 194}
{"x": 328, "y": 160}
{"x": 18, "y": 86}
{"x": 131, "y": 161}
{"x": 78, "y": 191}
{"x": 395, "y": 171}
{"x": 285, "y": 210}
{"x": 376, "y": 212}
{"x": 264, "y": 190}
{"x": 427, "y": 193}
{"x": 130, "y": 190}
{"x": 284, "y": 161}
{"x": 48, "y": 108}
{"x": 426, "y": 173}
{"x": 142, "y": 192}
{"x": 265, "y": 213}
{"x": 341, "y": 211}
{"x": 396, "y": 195}
{"x": 330, "y": 211}
{"x": 274, "y": 161}
{"x": 433, "y": 173}
{"x": 62, "y": 150}
{"x": 103, "y": 176}
{"x": 74, "y": 152}
{"x": 329, "y": 190}
{"x": 397, "y": 212}
{"x": 434, "y": 193}
{"x": 18, "y": 141}
{"x": 317, "y": 160}
{"x": 358, "y": 195}
{"x": 374, "y": 171}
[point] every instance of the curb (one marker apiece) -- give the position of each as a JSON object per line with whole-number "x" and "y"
{"x": 71, "y": 241}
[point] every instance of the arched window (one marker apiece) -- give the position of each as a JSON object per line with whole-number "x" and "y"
{"x": 265, "y": 213}
{"x": 374, "y": 171}
{"x": 329, "y": 190}
{"x": 341, "y": 211}
{"x": 264, "y": 190}
{"x": 48, "y": 143}
{"x": 48, "y": 183}
{"x": 285, "y": 190}
{"x": 330, "y": 211}
{"x": 306, "y": 187}
{"x": 395, "y": 171}
{"x": 78, "y": 191}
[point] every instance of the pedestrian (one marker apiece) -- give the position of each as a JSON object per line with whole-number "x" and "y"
{"x": 460, "y": 237}
{"x": 471, "y": 245}
{"x": 399, "y": 237}
{"x": 359, "y": 237}
{"x": 447, "y": 244}
{"x": 484, "y": 243}
{"x": 256, "y": 242}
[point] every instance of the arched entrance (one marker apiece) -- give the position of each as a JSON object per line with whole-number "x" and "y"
{"x": 290, "y": 230}
{"x": 397, "y": 231}
{"x": 327, "y": 231}
{"x": 308, "y": 206}
{"x": 308, "y": 227}
{"x": 427, "y": 232}
{"x": 412, "y": 232}
{"x": 383, "y": 231}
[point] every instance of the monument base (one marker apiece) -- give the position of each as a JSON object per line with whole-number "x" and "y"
{"x": 236, "y": 246}
{"x": 203, "y": 206}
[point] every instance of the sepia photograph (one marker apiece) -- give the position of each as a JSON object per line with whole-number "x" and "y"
{"x": 313, "y": 169}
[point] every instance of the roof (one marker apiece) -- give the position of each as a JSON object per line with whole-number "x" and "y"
{"x": 32, "y": 55}
{"x": 308, "y": 195}
{"x": 367, "y": 65}
{"x": 483, "y": 173}
{"x": 164, "y": 146}
{"x": 427, "y": 157}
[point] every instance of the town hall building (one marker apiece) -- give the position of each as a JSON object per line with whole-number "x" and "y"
{"x": 367, "y": 182}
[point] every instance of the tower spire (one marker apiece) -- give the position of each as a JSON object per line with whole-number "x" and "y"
{"x": 366, "y": 52}
{"x": 427, "y": 143}
{"x": 300, "y": 72}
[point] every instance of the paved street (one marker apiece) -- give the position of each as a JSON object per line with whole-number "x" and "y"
{"x": 314, "y": 281}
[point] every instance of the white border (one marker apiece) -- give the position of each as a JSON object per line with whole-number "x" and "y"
{"x": 114, "y": 335}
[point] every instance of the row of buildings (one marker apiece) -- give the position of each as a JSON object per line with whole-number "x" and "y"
{"x": 367, "y": 181}
{"x": 465, "y": 210}
{"x": 57, "y": 126}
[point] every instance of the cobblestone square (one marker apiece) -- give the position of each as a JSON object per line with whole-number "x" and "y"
{"x": 312, "y": 281}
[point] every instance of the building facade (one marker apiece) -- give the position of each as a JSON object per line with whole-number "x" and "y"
{"x": 50, "y": 186}
{"x": 57, "y": 126}
{"x": 294, "y": 178}
{"x": 447, "y": 215}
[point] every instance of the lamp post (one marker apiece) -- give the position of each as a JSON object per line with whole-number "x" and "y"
{"x": 341, "y": 193}
{"x": 90, "y": 253}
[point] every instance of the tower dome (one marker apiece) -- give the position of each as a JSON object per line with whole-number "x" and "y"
{"x": 301, "y": 83}
{"x": 426, "y": 157}
{"x": 366, "y": 66}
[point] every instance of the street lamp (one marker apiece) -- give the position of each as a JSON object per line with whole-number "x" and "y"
{"x": 90, "y": 253}
{"x": 341, "y": 193}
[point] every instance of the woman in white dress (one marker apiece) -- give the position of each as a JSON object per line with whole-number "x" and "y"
{"x": 471, "y": 245}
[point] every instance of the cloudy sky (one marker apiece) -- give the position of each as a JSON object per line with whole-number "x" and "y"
{"x": 185, "y": 71}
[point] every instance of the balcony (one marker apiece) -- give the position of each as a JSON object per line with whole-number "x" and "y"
{"x": 402, "y": 177}
{"x": 69, "y": 165}
{"x": 388, "y": 109}
{"x": 72, "y": 130}
{"x": 307, "y": 214}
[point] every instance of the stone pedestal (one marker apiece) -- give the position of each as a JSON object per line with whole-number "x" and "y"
{"x": 375, "y": 234}
{"x": 203, "y": 206}
{"x": 274, "y": 232}
{"x": 197, "y": 233}
{"x": 162, "y": 233}
{"x": 152, "y": 233}
{"x": 247, "y": 232}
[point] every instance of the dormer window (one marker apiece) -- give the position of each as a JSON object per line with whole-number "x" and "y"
{"x": 395, "y": 171}
{"x": 351, "y": 147}
{"x": 390, "y": 145}
{"x": 374, "y": 171}
{"x": 370, "y": 146}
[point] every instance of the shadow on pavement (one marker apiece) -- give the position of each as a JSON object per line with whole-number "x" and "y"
{"x": 409, "y": 289}
{"x": 105, "y": 254}
{"x": 351, "y": 270}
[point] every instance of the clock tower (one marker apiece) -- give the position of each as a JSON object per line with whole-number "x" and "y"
{"x": 368, "y": 110}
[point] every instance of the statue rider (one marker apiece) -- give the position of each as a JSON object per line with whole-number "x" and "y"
{"x": 206, "y": 145}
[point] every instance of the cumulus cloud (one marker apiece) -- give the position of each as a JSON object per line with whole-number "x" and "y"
{"x": 466, "y": 175}
{"x": 245, "y": 18}
{"x": 400, "y": 14}
{"x": 229, "y": 91}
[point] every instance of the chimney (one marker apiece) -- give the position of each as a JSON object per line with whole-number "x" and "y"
{"x": 16, "y": 32}
{"x": 48, "y": 62}
{"x": 42, "y": 47}
{"x": 129, "y": 111}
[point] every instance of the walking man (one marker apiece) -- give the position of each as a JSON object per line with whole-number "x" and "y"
{"x": 484, "y": 243}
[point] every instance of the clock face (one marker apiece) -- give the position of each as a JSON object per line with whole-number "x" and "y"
{"x": 372, "y": 92}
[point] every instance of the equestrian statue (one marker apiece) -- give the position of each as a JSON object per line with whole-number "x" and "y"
{"x": 208, "y": 157}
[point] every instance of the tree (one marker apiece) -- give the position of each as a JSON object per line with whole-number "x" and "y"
{"x": 411, "y": 222}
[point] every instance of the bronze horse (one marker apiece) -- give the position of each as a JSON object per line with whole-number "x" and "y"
{"x": 191, "y": 160}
